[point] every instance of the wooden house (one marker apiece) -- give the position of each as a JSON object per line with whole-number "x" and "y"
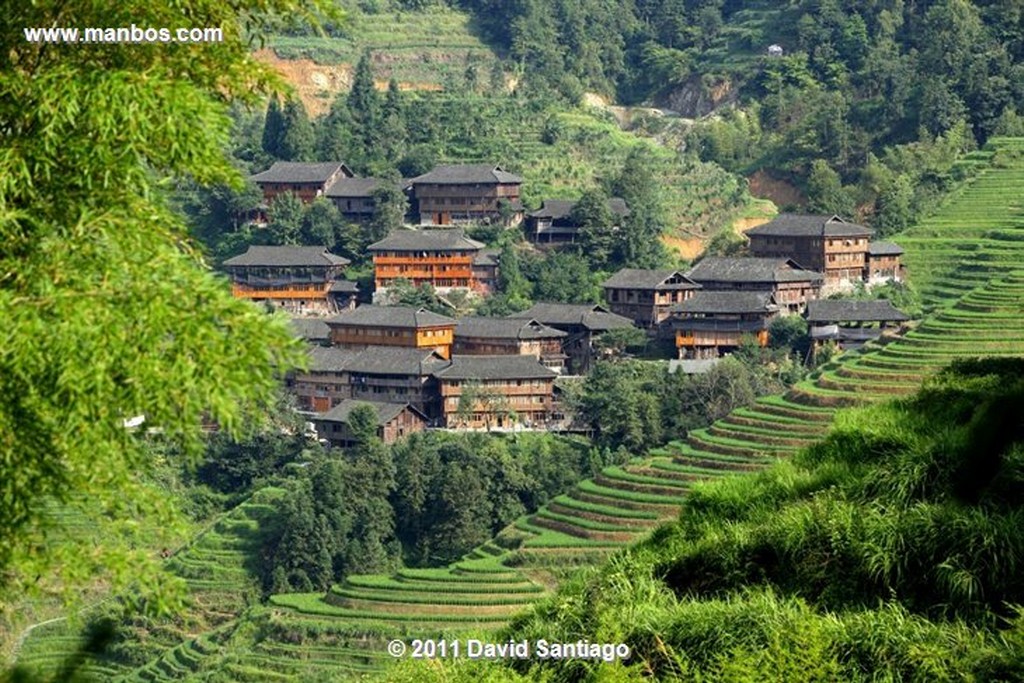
{"x": 397, "y": 375}
{"x": 709, "y": 324}
{"x": 791, "y": 286}
{"x": 510, "y": 337}
{"x": 828, "y": 244}
{"x": 552, "y": 222}
{"x": 444, "y": 259}
{"x": 305, "y": 180}
{"x": 354, "y": 196}
{"x": 883, "y": 263}
{"x": 394, "y": 421}
{"x": 646, "y": 296}
{"x": 415, "y": 328}
{"x": 582, "y": 323}
{"x": 467, "y": 193}
{"x": 849, "y": 323}
{"x": 496, "y": 392}
{"x": 301, "y": 280}
{"x": 325, "y": 381}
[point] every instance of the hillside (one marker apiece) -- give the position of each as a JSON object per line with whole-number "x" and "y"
{"x": 342, "y": 631}
{"x": 421, "y": 50}
{"x": 888, "y": 550}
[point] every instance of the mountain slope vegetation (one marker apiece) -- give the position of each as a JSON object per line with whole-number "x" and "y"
{"x": 889, "y": 549}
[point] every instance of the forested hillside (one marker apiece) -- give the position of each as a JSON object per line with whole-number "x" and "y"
{"x": 844, "y": 119}
{"x": 854, "y": 82}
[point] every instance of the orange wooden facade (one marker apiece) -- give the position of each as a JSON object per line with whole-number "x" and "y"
{"x": 709, "y": 343}
{"x": 439, "y": 270}
{"x": 292, "y": 291}
{"x": 438, "y": 338}
{"x": 503, "y": 403}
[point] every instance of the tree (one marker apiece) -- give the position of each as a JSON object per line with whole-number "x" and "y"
{"x": 511, "y": 281}
{"x": 825, "y": 192}
{"x": 389, "y": 208}
{"x": 596, "y": 227}
{"x": 362, "y": 424}
{"x": 110, "y": 315}
{"x": 620, "y": 403}
{"x": 321, "y": 223}
{"x": 637, "y": 242}
{"x": 364, "y": 110}
{"x": 392, "y": 124}
{"x": 273, "y": 128}
{"x": 297, "y": 134}
{"x": 334, "y": 133}
{"x": 564, "y": 277}
{"x": 286, "y": 217}
{"x": 616, "y": 341}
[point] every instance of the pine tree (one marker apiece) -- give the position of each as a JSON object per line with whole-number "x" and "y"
{"x": 364, "y": 109}
{"x": 595, "y": 223}
{"x": 297, "y": 136}
{"x": 334, "y": 134}
{"x": 637, "y": 242}
{"x": 392, "y": 125}
{"x": 273, "y": 128}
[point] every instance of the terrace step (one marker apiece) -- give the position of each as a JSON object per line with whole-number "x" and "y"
{"x": 702, "y": 441}
{"x": 780, "y": 405}
{"x": 564, "y": 505}
{"x": 779, "y": 438}
{"x": 764, "y": 420}
{"x": 572, "y": 529}
{"x": 663, "y": 510}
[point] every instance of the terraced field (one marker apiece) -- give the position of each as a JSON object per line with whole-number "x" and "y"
{"x": 418, "y": 49}
{"x": 976, "y": 234}
{"x": 220, "y": 585}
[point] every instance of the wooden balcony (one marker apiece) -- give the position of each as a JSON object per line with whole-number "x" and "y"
{"x": 247, "y": 292}
{"x": 423, "y": 273}
{"x": 431, "y": 259}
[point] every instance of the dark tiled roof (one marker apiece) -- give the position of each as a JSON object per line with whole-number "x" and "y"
{"x": 505, "y": 328}
{"x": 390, "y": 316}
{"x": 300, "y": 172}
{"x": 748, "y": 269}
{"x": 848, "y": 310}
{"x": 807, "y": 225}
{"x": 487, "y": 257}
{"x": 386, "y": 412}
{"x": 726, "y": 302}
{"x": 287, "y": 257}
{"x": 884, "y": 249}
{"x": 590, "y": 316}
{"x": 330, "y": 359}
{"x": 354, "y": 187}
{"x": 467, "y": 174}
{"x": 639, "y": 278}
{"x": 395, "y": 360}
{"x": 495, "y": 367}
{"x": 426, "y": 240}
{"x": 345, "y": 287}
{"x": 561, "y": 208}
{"x": 312, "y": 329}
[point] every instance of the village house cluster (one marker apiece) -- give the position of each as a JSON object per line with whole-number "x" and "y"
{"x": 417, "y": 368}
